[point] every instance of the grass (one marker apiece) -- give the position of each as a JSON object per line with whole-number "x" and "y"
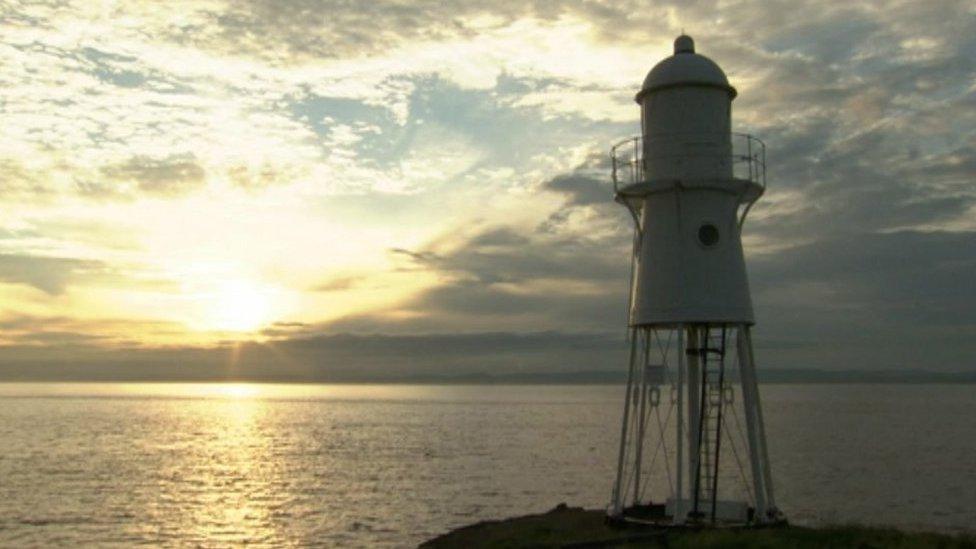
{"x": 576, "y": 527}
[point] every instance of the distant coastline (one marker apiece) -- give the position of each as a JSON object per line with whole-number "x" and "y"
{"x": 118, "y": 373}
{"x": 771, "y": 375}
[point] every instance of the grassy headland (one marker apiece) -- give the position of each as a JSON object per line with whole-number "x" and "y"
{"x": 579, "y": 528}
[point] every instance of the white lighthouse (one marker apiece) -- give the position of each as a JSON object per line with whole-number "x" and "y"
{"x": 693, "y": 444}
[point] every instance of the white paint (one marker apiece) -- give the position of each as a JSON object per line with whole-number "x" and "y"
{"x": 687, "y": 182}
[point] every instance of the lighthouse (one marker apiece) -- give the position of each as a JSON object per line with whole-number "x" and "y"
{"x": 692, "y": 440}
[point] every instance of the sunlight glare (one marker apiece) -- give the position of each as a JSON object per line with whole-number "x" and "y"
{"x": 235, "y": 390}
{"x": 238, "y": 306}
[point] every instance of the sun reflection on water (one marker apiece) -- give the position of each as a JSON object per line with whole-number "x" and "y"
{"x": 231, "y": 467}
{"x": 236, "y": 390}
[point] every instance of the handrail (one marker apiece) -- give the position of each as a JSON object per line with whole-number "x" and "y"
{"x": 748, "y": 157}
{"x": 628, "y": 162}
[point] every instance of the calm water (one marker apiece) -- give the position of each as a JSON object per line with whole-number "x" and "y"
{"x": 215, "y": 465}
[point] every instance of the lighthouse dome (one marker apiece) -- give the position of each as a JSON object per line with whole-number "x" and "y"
{"x": 685, "y": 68}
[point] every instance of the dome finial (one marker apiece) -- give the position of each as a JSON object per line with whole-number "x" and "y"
{"x": 684, "y": 44}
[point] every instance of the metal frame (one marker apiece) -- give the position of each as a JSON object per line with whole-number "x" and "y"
{"x": 694, "y": 493}
{"x": 628, "y": 164}
{"x": 627, "y": 158}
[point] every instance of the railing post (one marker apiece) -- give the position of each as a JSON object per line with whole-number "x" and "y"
{"x": 636, "y": 160}
{"x": 764, "y": 166}
{"x": 749, "y": 153}
{"x": 613, "y": 164}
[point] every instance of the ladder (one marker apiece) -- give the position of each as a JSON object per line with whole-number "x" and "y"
{"x": 711, "y": 354}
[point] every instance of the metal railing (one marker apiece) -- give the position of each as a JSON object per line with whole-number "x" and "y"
{"x": 627, "y": 156}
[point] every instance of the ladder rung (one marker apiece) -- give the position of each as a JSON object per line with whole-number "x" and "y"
{"x": 705, "y": 350}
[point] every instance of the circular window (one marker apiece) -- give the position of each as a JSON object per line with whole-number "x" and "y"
{"x": 708, "y": 235}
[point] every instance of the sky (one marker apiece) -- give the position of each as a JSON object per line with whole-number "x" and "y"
{"x": 331, "y": 189}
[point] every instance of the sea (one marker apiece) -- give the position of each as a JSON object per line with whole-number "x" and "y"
{"x": 216, "y": 465}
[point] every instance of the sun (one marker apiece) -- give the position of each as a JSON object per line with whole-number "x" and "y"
{"x": 238, "y": 306}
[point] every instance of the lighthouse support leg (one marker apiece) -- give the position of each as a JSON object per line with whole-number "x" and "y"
{"x": 679, "y": 496}
{"x": 694, "y": 412}
{"x": 754, "y": 428}
{"x": 766, "y": 469}
{"x": 642, "y": 413}
{"x": 618, "y": 487}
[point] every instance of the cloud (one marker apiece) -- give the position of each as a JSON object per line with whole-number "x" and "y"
{"x": 338, "y": 284}
{"x": 587, "y": 184}
{"x": 170, "y": 176}
{"x": 323, "y": 358}
{"x": 502, "y": 276}
{"x": 867, "y": 273}
{"x": 19, "y": 182}
{"x": 48, "y": 274}
{"x": 25, "y": 335}
{"x": 898, "y": 300}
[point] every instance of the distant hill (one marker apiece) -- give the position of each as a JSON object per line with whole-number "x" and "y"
{"x": 769, "y": 375}
{"x": 119, "y": 372}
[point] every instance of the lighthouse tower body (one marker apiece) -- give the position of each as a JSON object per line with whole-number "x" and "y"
{"x": 691, "y": 263}
{"x": 692, "y": 397}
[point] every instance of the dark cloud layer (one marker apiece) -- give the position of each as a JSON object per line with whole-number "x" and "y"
{"x": 877, "y": 300}
{"x": 337, "y": 357}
